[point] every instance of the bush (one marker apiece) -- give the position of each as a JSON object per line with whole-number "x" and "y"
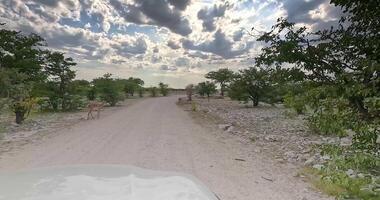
{"x": 109, "y": 89}
{"x": 350, "y": 174}
{"x": 296, "y": 102}
{"x": 76, "y": 102}
{"x": 153, "y": 91}
{"x": 163, "y": 89}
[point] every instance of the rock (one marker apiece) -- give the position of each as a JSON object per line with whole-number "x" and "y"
{"x": 378, "y": 139}
{"x": 310, "y": 161}
{"x": 346, "y": 141}
{"x": 230, "y": 129}
{"x": 224, "y": 126}
{"x": 326, "y": 157}
{"x": 318, "y": 166}
{"x": 360, "y": 175}
{"x": 350, "y": 172}
{"x": 270, "y": 138}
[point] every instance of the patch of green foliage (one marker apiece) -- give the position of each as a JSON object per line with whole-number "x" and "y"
{"x": 109, "y": 89}
{"x": 349, "y": 174}
{"x": 206, "y": 89}
{"x": 164, "y": 89}
{"x": 223, "y": 77}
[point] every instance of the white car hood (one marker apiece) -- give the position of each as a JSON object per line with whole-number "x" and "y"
{"x": 100, "y": 183}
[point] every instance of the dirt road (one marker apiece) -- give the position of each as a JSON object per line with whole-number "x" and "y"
{"x": 156, "y": 134}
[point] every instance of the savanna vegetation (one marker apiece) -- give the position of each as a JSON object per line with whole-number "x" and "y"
{"x": 33, "y": 78}
{"x": 331, "y": 76}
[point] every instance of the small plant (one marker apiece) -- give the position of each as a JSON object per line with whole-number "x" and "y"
{"x": 193, "y": 106}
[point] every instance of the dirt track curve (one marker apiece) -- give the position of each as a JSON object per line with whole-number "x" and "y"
{"x": 156, "y": 134}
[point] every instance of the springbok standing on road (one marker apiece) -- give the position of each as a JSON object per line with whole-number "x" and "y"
{"x": 94, "y": 106}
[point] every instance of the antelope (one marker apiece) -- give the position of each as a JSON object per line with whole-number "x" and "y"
{"x": 94, "y": 106}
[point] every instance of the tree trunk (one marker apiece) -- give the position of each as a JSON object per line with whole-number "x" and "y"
{"x": 19, "y": 117}
{"x": 255, "y": 101}
{"x": 222, "y": 90}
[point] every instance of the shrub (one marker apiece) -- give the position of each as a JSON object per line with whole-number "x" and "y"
{"x": 153, "y": 91}
{"x": 109, "y": 89}
{"x": 296, "y": 102}
{"x": 163, "y": 89}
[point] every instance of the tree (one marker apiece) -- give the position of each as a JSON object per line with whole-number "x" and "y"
{"x": 80, "y": 87}
{"x": 108, "y": 89}
{"x": 153, "y": 91}
{"x": 59, "y": 70}
{"x": 141, "y": 90}
{"x": 206, "y": 88}
{"x": 252, "y": 83}
{"x": 21, "y": 59}
{"x": 163, "y": 89}
{"x": 132, "y": 85}
{"x": 341, "y": 65}
{"x": 222, "y": 76}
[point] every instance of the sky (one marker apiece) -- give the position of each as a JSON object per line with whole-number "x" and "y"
{"x": 171, "y": 41}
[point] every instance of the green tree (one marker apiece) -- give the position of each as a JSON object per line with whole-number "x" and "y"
{"x": 206, "y": 88}
{"x": 153, "y": 91}
{"x": 108, "y": 89}
{"x": 222, "y": 76}
{"x": 21, "y": 60}
{"x": 80, "y": 87}
{"x": 59, "y": 70}
{"x": 132, "y": 85}
{"x": 251, "y": 84}
{"x": 341, "y": 64}
{"x": 163, "y": 89}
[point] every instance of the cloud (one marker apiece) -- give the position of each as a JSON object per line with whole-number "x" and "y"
{"x": 301, "y": 11}
{"x": 238, "y": 35}
{"x": 173, "y": 45}
{"x": 220, "y": 45}
{"x": 182, "y": 62}
{"x": 180, "y": 4}
{"x": 209, "y": 15}
{"x": 129, "y": 12}
{"x": 196, "y": 54}
{"x": 131, "y": 48}
{"x": 156, "y": 12}
{"x": 167, "y": 68}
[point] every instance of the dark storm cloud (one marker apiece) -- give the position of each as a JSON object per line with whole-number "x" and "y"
{"x": 156, "y": 12}
{"x": 173, "y": 45}
{"x": 129, "y": 12}
{"x": 209, "y": 15}
{"x": 298, "y": 12}
{"x": 220, "y": 46}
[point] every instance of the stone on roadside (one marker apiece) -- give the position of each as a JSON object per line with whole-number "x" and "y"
{"x": 318, "y": 166}
{"x": 310, "y": 161}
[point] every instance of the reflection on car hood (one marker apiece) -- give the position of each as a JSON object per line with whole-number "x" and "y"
{"x": 100, "y": 183}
